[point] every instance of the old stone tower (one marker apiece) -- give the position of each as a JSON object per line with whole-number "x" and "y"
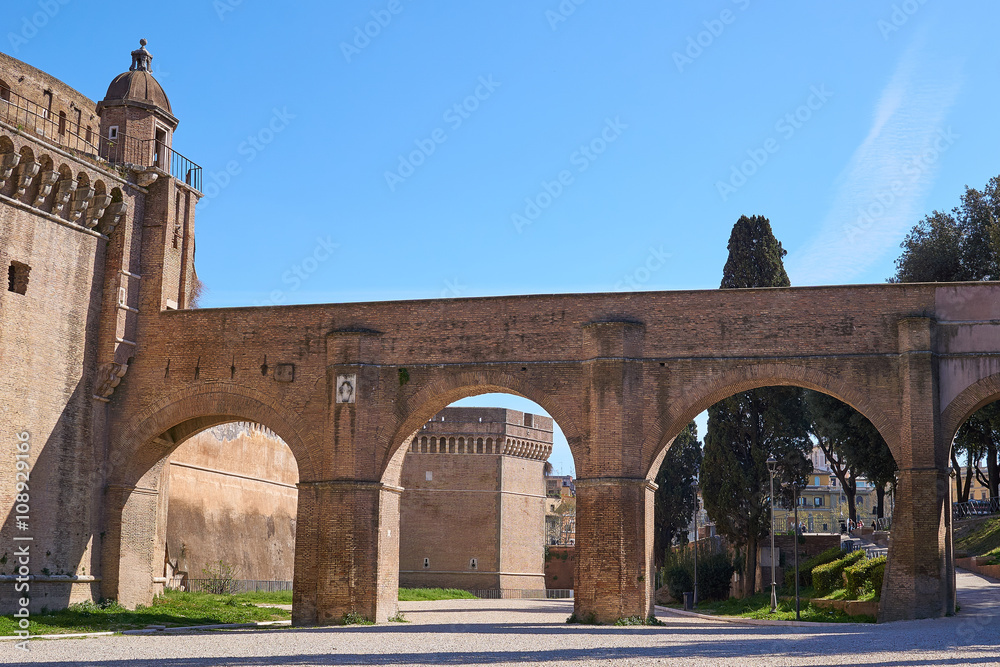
{"x": 96, "y": 234}
{"x": 472, "y": 512}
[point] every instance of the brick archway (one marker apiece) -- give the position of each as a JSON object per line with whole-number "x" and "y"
{"x": 134, "y": 502}
{"x": 729, "y": 383}
{"x": 963, "y": 406}
{"x": 437, "y": 395}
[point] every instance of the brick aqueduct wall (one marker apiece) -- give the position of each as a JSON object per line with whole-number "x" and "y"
{"x": 108, "y": 380}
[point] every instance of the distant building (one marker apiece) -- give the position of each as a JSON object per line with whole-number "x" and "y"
{"x": 472, "y": 512}
{"x": 560, "y": 510}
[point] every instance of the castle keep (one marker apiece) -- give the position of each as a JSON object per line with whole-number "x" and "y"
{"x": 109, "y": 371}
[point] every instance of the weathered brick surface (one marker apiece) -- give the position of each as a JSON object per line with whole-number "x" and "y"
{"x": 621, "y": 373}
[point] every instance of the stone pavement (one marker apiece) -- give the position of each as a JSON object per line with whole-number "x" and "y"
{"x": 526, "y": 632}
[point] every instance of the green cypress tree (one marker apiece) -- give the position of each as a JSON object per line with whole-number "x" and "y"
{"x": 675, "y": 500}
{"x": 746, "y": 428}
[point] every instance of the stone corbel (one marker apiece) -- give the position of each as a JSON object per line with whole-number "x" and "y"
{"x": 45, "y": 183}
{"x": 96, "y": 210}
{"x": 26, "y": 174}
{"x": 108, "y": 377}
{"x": 114, "y": 215}
{"x": 146, "y": 178}
{"x": 7, "y": 164}
{"x": 81, "y": 200}
{"x": 66, "y": 189}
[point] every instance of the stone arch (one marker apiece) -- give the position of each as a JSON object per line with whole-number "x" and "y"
{"x": 437, "y": 395}
{"x": 724, "y": 385}
{"x": 164, "y": 425}
{"x": 974, "y": 397}
{"x": 134, "y": 516}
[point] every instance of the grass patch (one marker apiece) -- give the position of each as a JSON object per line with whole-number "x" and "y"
{"x": 173, "y": 609}
{"x": 759, "y": 606}
{"x": 979, "y": 537}
{"x": 275, "y": 597}
{"x": 421, "y": 594}
{"x": 354, "y": 618}
{"x": 398, "y": 618}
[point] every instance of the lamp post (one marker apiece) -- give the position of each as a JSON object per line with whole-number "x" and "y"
{"x": 772, "y": 465}
{"x": 795, "y": 551}
{"x": 697, "y": 507}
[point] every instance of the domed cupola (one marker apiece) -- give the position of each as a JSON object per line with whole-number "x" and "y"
{"x": 134, "y": 99}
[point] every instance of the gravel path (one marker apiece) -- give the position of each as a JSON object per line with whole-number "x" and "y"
{"x": 522, "y": 632}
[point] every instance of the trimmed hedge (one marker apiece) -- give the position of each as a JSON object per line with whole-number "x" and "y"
{"x": 866, "y": 575}
{"x": 827, "y": 578}
{"x": 679, "y": 580}
{"x": 806, "y": 567}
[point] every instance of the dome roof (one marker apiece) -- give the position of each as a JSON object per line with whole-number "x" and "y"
{"x": 137, "y": 85}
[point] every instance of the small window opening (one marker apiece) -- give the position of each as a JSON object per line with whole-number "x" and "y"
{"x": 17, "y": 277}
{"x": 427, "y": 562}
{"x": 528, "y": 420}
{"x": 473, "y": 564}
{"x": 113, "y": 132}
{"x": 4, "y": 92}
{"x": 62, "y": 122}
{"x": 161, "y": 144}
{"x": 47, "y": 103}
{"x": 89, "y": 135}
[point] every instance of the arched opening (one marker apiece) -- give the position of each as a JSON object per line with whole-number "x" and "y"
{"x": 482, "y": 510}
{"x": 229, "y": 462}
{"x": 834, "y": 480}
{"x": 973, "y": 422}
{"x": 231, "y": 511}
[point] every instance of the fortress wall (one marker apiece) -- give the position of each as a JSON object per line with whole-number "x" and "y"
{"x": 233, "y": 497}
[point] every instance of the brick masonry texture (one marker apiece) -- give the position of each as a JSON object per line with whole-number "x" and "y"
{"x": 621, "y": 373}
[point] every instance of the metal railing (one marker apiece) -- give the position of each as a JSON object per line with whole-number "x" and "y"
{"x": 524, "y": 594}
{"x": 976, "y": 508}
{"x": 237, "y": 585}
{"x": 31, "y": 118}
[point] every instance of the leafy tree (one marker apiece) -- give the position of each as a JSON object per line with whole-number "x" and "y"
{"x": 676, "y": 499}
{"x": 755, "y": 256}
{"x": 828, "y": 421}
{"x": 956, "y": 246}
{"x": 747, "y": 428}
{"x": 979, "y": 439}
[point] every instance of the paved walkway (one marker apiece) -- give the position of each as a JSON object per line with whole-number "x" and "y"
{"x": 526, "y": 632}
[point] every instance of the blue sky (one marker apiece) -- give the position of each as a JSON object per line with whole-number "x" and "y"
{"x": 467, "y": 149}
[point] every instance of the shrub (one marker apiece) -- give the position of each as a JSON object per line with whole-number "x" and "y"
{"x": 829, "y": 577}
{"x": 220, "y": 578}
{"x": 715, "y": 574}
{"x": 679, "y": 579}
{"x": 861, "y": 577}
{"x": 806, "y": 567}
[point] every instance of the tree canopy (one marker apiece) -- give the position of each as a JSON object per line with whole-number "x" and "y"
{"x": 676, "y": 499}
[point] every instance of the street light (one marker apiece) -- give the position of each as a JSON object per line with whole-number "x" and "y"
{"x": 772, "y": 465}
{"x": 697, "y": 507}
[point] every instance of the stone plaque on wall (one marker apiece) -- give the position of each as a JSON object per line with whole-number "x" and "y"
{"x": 347, "y": 388}
{"x": 284, "y": 372}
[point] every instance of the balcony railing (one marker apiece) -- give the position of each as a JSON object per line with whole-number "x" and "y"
{"x": 31, "y": 118}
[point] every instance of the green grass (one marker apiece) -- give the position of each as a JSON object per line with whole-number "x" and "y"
{"x": 419, "y": 594}
{"x": 173, "y": 609}
{"x": 982, "y": 540}
{"x": 759, "y": 606}
{"x": 276, "y": 597}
